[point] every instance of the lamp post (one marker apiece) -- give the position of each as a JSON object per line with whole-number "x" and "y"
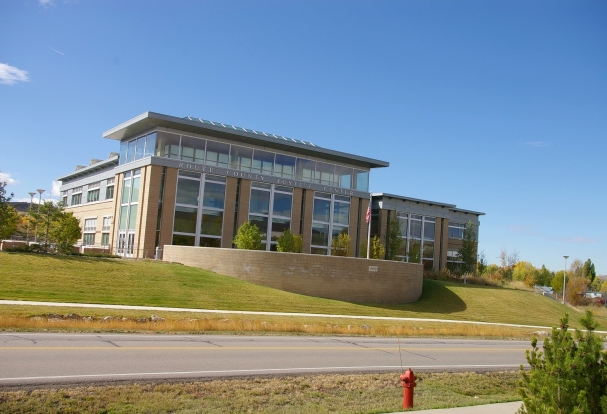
{"x": 29, "y": 216}
{"x": 565, "y": 278}
{"x": 38, "y": 209}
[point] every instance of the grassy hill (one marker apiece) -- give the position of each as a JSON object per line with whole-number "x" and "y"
{"x": 108, "y": 281}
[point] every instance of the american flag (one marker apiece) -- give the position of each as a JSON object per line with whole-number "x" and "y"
{"x": 368, "y": 217}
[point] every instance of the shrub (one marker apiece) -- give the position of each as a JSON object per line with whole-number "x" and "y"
{"x": 569, "y": 375}
{"x": 248, "y": 237}
{"x": 340, "y": 246}
{"x": 289, "y": 242}
{"x": 378, "y": 251}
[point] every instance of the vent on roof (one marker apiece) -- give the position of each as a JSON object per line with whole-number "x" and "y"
{"x": 113, "y": 154}
{"x": 94, "y": 161}
{"x": 79, "y": 167}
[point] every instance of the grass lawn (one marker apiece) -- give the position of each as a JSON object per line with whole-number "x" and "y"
{"x": 343, "y": 393}
{"x": 125, "y": 282}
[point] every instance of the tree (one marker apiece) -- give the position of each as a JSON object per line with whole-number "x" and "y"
{"x": 481, "y": 264}
{"x": 58, "y": 227}
{"x": 340, "y": 245}
{"x": 8, "y": 215}
{"x": 575, "y": 290}
{"x": 394, "y": 240}
{"x": 526, "y": 272}
{"x": 568, "y": 375}
{"x": 544, "y": 276}
{"x": 65, "y": 232}
{"x": 588, "y": 270}
{"x": 577, "y": 268}
{"x": 557, "y": 281}
{"x": 378, "y": 251}
{"x": 467, "y": 252}
{"x": 248, "y": 237}
{"x": 289, "y": 242}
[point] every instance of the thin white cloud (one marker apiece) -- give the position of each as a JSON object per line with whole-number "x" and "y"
{"x": 10, "y": 75}
{"x": 56, "y": 188}
{"x": 6, "y": 178}
{"x": 46, "y": 3}
{"x": 35, "y": 200}
{"x": 536, "y": 144}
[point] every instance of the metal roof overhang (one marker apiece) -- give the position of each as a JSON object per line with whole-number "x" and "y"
{"x": 149, "y": 120}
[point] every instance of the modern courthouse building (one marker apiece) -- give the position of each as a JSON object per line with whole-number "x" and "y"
{"x": 189, "y": 181}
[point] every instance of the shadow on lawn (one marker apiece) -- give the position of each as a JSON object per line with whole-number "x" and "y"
{"x": 436, "y": 298}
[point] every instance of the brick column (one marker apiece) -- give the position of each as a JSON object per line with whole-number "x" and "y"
{"x": 228, "y": 212}
{"x": 306, "y": 231}
{"x": 296, "y": 210}
{"x": 364, "y": 226}
{"x": 243, "y": 203}
{"x": 168, "y": 207}
{"x": 445, "y": 242}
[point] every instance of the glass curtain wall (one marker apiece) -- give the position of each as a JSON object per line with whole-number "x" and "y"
{"x": 330, "y": 218}
{"x": 417, "y": 233}
{"x": 270, "y": 209}
{"x": 129, "y": 200}
{"x": 219, "y": 154}
{"x": 198, "y": 219}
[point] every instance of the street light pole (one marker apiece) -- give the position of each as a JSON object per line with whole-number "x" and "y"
{"x": 29, "y": 217}
{"x": 565, "y": 278}
{"x": 38, "y": 209}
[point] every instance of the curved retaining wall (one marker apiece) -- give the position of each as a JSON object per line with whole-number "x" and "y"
{"x": 343, "y": 278}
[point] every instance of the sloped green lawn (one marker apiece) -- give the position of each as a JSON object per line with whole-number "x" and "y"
{"x": 111, "y": 281}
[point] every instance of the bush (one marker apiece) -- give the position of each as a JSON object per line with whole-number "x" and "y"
{"x": 378, "y": 251}
{"x": 289, "y": 242}
{"x": 569, "y": 375}
{"x": 248, "y": 237}
{"x": 340, "y": 246}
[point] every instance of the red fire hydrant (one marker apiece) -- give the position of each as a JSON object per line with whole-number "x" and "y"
{"x": 408, "y": 380}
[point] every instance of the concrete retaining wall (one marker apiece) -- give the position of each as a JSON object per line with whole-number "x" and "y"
{"x": 343, "y": 278}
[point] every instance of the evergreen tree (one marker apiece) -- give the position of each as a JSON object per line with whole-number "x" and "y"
{"x": 467, "y": 252}
{"x": 588, "y": 270}
{"x": 569, "y": 376}
{"x": 394, "y": 240}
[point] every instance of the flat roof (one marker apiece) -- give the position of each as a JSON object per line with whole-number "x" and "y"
{"x": 452, "y": 207}
{"x": 149, "y": 120}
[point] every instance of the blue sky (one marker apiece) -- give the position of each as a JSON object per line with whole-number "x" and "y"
{"x": 498, "y": 107}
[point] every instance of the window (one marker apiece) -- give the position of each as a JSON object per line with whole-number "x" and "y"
{"x": 76, "y": 199}
{"x": 92, "y": 196}
{"x": 107, "y": 223}
{"x": 88, "y": 236}
{"x": 129, "y": 201}
{"x": 135, "y": 149}
{"x": 270, "y": 209}
{"x": 199, "y": 204}
{"x": 330, "y": 218}
{"x": 418, "y": 234}
{"x": 238, "y": 157}
{"x": 90, "y": 224}
{"x": 109, "y": 189}
{"x": 105, "y": 239}
{"x": 88, "y": 239}
{"x": 456, "y": 230}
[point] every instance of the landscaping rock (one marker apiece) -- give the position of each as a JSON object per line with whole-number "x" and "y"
{"x": 155, "y": 318}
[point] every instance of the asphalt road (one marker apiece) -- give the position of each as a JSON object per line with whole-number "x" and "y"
{"x": 53, "y": 358}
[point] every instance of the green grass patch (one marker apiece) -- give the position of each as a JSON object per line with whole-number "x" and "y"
{"x": 358, "y": 393}
{"x": 125, "y": 282}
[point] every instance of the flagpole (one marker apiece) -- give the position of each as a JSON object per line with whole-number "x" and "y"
{"x": 369, "y": 229}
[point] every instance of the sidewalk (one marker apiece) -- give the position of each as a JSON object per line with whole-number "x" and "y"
{"x": 502, "y": 408}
